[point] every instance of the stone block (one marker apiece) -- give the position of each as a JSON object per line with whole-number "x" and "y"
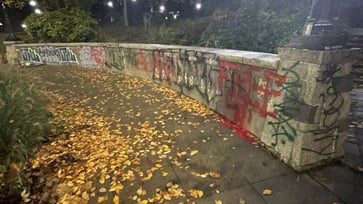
{"x": 319, "y": 57}
{"x": 300, "y": 111}
{"x": 343, "y": 84}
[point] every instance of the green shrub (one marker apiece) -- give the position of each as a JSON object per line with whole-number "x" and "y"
{"x": 62, "y": 26}
{"x": 23, "y": 121}
{"x": 179, "y": 32}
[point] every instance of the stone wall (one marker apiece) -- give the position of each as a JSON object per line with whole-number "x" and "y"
{"x": 296, "y": 103}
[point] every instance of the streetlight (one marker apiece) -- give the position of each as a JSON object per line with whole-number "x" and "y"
{"x": 23, "y": 25}
{"x": 110, "y": 4}
{"x": 162, "y": 8}
{"x": 37, "y": 11}
{"x": 198, "y": 6}
{"x": 32, "y": 3}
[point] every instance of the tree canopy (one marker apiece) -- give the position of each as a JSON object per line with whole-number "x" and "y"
{"x": 258, "y": 25}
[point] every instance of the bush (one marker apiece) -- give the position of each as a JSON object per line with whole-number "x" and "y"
{"x": 23, "y": 121}
{"x": 179, "y": 32}
{"x": 62, "y": 26}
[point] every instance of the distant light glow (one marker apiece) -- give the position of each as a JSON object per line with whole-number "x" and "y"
{"x": 133, "y": 0}
{"x": 175, "y": 16}
{"x": 198, "y": 6}
{"x": 110, "y": 4}
{"x": 38, "y": 11}
{"x": 23, "y": 25}
{"x": 166, "y": 18}
{"x": 1, "y": 24}
{"x": 162, "y": 8}
{"x": 33, "y": 3}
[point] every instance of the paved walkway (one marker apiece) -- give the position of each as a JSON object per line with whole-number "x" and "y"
{"x": 133, "y": 141}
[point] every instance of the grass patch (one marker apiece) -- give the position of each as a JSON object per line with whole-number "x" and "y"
{"x": 23, "y": 126}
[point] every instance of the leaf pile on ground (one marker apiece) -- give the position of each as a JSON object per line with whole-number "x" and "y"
{"x": 114, "y": 155}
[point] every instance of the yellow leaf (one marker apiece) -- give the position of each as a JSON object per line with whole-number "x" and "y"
{"x": 193, "y": 152}
{"x": 141, "y": 191}
{"x": 127, "y": 162}
{"x": 116, "y": 188}
{"x": 167, "y": 197}
{"x": 102, "y": 190}
{"x": 158, "y": 165}
{"x": 218, "y": 202}
{"x": 143, "y": 202}
{"x": 102, "y": 180}
{"x": 267, "y": 192}
{"x": 85, "y": 195}
{"x": 148, "y": 177}
{"x": 102, "y": 199}
{"x": 196, "y": 193}
{"x": 214, "y": 175}
{"x": 164, "y": 173}
{"x": 35, "y": 164}
{"x": 116, "y": 199}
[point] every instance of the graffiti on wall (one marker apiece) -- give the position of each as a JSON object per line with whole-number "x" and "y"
{"x": 29, "y": 56}
{"x": 247, "y": 89}
{"x": 56, "y": 55}
{"x": 331, "y": 103}
{"x": 243, "y": 89}
{"x": 283, "y": 129}
{"x": 91, "y": 56}
{"x": 193, "y": 71}
{"x": 47, "y": 55}
{"x": 158, "y": 64}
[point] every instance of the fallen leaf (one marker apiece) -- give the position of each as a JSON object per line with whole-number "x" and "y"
{"x": 116, "y": 199}
{"x": 102, "y": 199}
{"x": 25, "y": 196}
{"x": 141, "y": 191}
{"x": 102, "y": 180}
{"x": 218, "y": 202}
{"x": 85, "y": 195}
{"x": 127, "y": 162}
{"x": 196, "y": 193}
{"x": 267, "y": 192}
{"x": 193, "y": 152}
{"x": 167, "y": 197}
{"x": 214, "y": 175}
{"x": 35, "y": 164}
{"x": 102, "y": 190}
{"x": 164, "y": 173}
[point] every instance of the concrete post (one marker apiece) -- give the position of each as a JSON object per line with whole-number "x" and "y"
{"x": 311, "y": 122}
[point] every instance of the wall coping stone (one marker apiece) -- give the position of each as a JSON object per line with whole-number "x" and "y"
{"x": 265, "y": 60}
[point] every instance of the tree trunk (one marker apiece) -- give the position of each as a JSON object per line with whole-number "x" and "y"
{"x": 126, "y": 19}
{"x": 8, "y": 26}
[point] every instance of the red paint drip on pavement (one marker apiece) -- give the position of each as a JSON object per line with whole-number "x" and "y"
{"x": 239, "y": 131}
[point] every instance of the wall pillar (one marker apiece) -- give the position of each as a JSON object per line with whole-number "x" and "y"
{"x": 311, "y": 120}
